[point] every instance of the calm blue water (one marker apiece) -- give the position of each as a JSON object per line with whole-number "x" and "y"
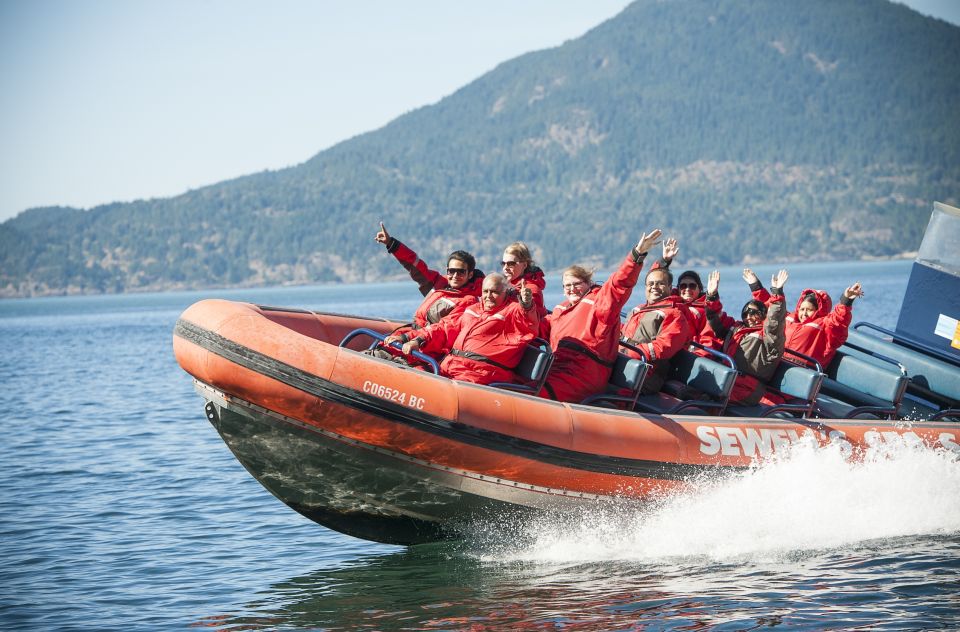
{"x": 120, "y": 508}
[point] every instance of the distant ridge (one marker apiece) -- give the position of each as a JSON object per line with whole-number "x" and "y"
{"x": 754, "y": 130}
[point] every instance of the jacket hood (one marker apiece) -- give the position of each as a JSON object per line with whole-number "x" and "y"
{"x": 533, "y": 276}
{"x": 824, "y": 303}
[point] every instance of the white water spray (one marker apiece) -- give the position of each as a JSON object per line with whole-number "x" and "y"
{"x": 809, "y": 498}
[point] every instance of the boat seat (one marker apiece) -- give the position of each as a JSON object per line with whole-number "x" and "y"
{"x": 532, "y": 369}
{"x": 933, "y": 391}
{"x": 713, "y": 379}
{"x": 860, "y": 385}
{"x": 624, "y": 386}
{"x": 799, "y": 383}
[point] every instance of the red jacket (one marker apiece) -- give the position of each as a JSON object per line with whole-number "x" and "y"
{"x": 585, "y": 335}
{"x": 534, "y": 279}
{"x": 439, "y": 298}
{"x": 482, "y": 346}
{"x": 660, "y": 329}
{"x": 821, "y": 335}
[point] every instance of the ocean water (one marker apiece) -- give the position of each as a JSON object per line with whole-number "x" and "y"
{"x": 120, "y": 508}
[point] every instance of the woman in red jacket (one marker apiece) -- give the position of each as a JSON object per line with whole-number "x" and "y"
{"x": 518, "y": 267}
{"x": 690, "y": 289}
{"x": 814, "y": 330}
{"x": 756, "y": 342}
{"x": 584, "y": 330}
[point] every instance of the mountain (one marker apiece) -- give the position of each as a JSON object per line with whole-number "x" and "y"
{"x": 750, "y": 129}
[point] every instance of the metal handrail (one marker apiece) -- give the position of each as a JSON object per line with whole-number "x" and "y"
{"x": 722, "y": 356}
{"x": 396, "y": 345}
{"x": 909, "y": 343}
{"x": 816, "y": 364}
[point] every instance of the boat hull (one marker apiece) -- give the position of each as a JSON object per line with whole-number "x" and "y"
{"x": 375, "y": 493}
{"x": 396, "y": 455}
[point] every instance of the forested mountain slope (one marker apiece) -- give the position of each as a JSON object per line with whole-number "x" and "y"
{"x": 751, "y": 129}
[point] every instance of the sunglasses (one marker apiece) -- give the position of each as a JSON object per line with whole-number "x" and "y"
{"x": 456, "y": 271}
{"x": 688, "y": 286}
{"x": 752, "y": 312}
{"x": 507, "y": 264}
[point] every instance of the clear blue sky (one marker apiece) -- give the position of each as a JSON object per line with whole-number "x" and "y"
{"x": 114, "y": 100}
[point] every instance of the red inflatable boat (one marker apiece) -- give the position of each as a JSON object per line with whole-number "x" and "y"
{"x": 399, "y": 455}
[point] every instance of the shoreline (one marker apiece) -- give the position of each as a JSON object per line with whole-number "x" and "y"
{"x": 9, "y": 293}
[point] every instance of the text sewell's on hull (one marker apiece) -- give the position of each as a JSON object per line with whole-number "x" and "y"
{"x": 391, "y": 454}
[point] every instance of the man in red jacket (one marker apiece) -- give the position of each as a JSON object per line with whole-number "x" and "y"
{"x": 661, "y": 327}
{"x": 584, "y": 330}
{"x": 442, "y": 292}
{"x": 485, "y": 342}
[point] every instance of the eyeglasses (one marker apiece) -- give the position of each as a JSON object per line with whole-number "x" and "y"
{"x": 508, "y": 264}
{"x": 687, "y": 286}
{"x": 456, "y": 271}
{"x": 657, "y": 283}
{"x": 573, "y": 286}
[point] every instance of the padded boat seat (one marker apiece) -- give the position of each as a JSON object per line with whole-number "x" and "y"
{"x": 624, "y": 386}
{"x": 858, "y": 385}
{"x": 800, "y": 383}
{"x": 532, "y": 369}
{"x": 932, "y": 380}
{"x": 712, "y": 379}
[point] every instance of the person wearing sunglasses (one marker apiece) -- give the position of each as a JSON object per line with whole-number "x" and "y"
{"x": 584, "y": 330}
{"x": 518, "y": 267}
{"x": 444, "y": 292}
{"x": 661, "y": 327}
{"x": 756, "y": 342}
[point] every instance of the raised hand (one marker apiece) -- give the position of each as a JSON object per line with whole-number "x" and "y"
{"x": 779, "y": 279}
{"x": 670, "y": 249}
{"x": 383, "y": 237}
{"x": 854, "y": 291}
{"x": 647, "y": 241}
{"x": 526, "y": 295}
{"x": 749, "y": 276}
{"x": 713, "y": 283}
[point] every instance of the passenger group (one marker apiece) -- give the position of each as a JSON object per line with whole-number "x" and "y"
{"x": 478, "y": 326}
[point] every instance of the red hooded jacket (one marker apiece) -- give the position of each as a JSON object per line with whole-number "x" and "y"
{"x": 821, "y": 335}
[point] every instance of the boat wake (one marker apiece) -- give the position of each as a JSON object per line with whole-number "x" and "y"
{"x": 808, "y": 499}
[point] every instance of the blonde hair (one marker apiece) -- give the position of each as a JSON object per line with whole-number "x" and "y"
{"x": 519, "y": 250}
{"x": 580, "y": 272}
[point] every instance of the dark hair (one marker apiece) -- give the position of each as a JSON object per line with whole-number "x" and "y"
{"x": 665, "y": 271}
{"x": 754, "y": 303}
{"x": 691, "y": 274}
{"x": 810, "y": 297}
{"x": 464, "y": 257}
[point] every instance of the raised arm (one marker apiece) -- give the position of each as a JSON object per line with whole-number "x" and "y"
{"x": 426, "y": 278}
{"x": 774, "y": 324}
